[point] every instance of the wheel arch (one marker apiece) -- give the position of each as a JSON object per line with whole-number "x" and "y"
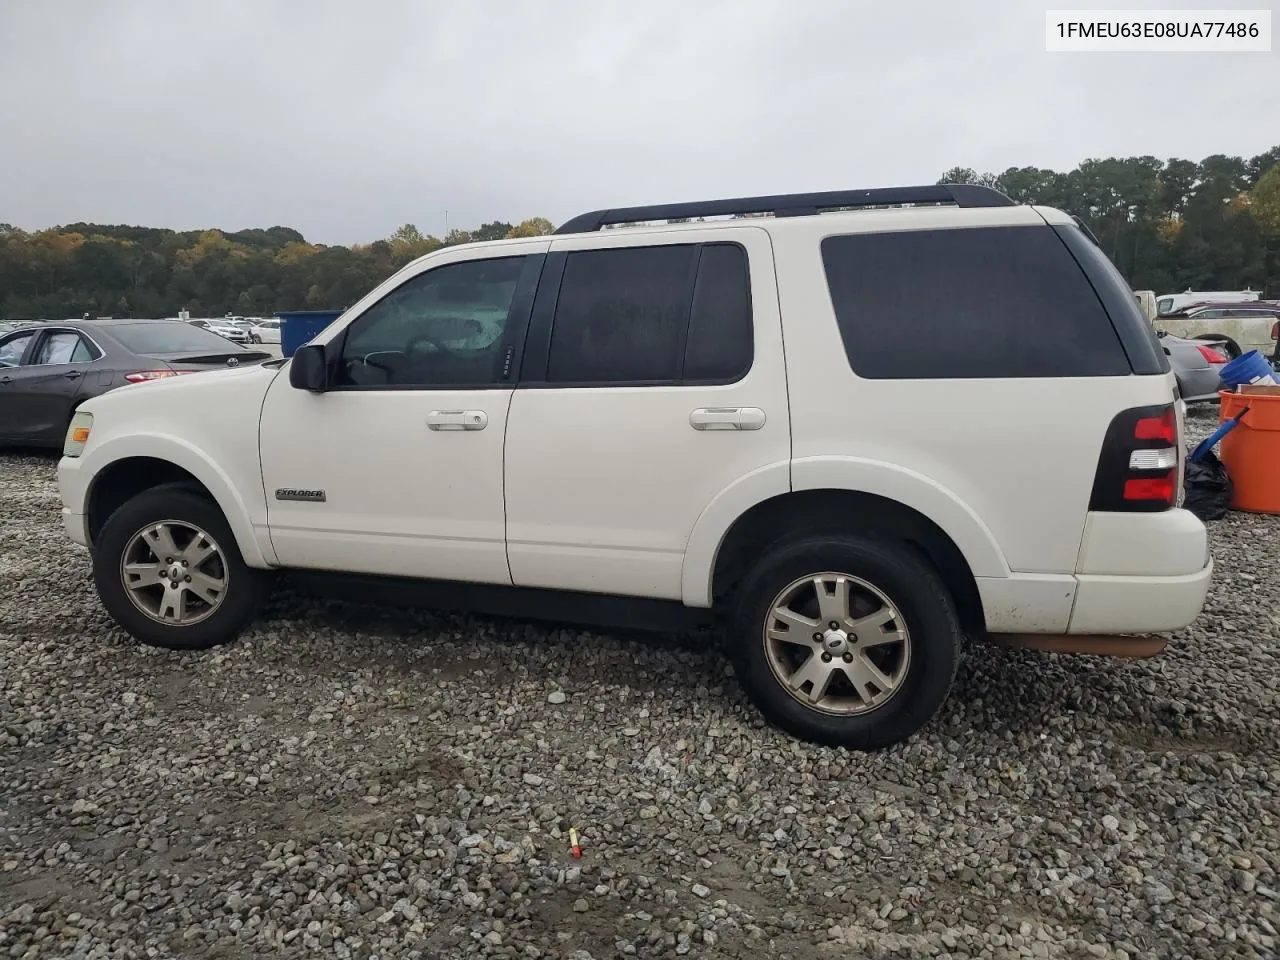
{"x": 122, "y": 474}
{"x": 834, "y": 511}
{"x": 863, "y": 497}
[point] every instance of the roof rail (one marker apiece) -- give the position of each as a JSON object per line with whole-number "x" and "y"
{"x": 794, "y": 204}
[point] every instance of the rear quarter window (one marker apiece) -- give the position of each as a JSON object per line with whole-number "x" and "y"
{"x": 993, "y": 302}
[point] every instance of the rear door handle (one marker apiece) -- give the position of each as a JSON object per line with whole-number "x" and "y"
{"x": 727, "y": 418}
{"x": 74, "y": 375}
{"x": 457, "y": 420}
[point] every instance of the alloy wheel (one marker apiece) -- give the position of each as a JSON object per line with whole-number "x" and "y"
{"x": 837, "y": 643}
{"x": 174, "y": 572}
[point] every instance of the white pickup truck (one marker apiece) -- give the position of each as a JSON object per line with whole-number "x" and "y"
{"x": 1237, "y": 320}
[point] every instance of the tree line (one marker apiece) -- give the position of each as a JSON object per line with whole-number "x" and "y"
{"x": 1168, "y": 225}
{"x": 121, "y": 271}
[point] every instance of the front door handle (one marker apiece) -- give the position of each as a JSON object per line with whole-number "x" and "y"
{"x": 457, "y": 420}
{"x": 727, "y": 418}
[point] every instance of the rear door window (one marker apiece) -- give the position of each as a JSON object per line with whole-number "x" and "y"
{"x": 64, "y": 346}
{"x": 670, "y": 314}
{"x": 994, "y": 302}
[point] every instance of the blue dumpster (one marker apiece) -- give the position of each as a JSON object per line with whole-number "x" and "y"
{"x": 299, "y": 326}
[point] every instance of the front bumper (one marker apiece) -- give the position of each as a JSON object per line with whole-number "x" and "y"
{"x": 76, "y": 525}
{"x": 71, "y": 489}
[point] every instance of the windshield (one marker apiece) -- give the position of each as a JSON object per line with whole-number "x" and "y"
{"x": 167, "y": 336}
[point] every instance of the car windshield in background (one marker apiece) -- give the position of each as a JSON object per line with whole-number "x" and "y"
{"x": 169, "y": 337}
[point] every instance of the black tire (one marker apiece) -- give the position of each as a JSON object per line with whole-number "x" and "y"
{"x": 908, "y": 581}
{"x": 1230, "y": 346}
{"x": 245, "y": 587}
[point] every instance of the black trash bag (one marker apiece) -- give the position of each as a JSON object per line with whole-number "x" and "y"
{"x": 1208, "y": 487}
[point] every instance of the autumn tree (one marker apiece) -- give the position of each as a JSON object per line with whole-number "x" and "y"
{"x": 533, "y": 227}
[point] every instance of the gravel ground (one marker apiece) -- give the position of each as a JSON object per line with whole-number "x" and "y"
{"x": 354, "y": 782}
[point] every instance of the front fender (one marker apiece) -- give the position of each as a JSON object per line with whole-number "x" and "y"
{"x": 240, "y": 514}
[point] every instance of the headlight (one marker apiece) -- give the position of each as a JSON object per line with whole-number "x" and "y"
{"x": 77, "y": 434}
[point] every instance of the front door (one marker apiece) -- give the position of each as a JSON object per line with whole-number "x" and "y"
{"x": 397, "y": 468}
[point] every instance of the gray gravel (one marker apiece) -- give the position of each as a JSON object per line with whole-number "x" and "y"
{"x": 354, "y": 782}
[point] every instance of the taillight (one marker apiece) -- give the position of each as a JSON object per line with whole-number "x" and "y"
{"x": 1138, "y": 465}
{"x": 1275, "y": 331}
{"x": 1213, "y": 355}
{"x": 142, "y": 376}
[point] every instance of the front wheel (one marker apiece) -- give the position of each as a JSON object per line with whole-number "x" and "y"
{"x": 845, "y": 640}
{"x": 169, "y": 572}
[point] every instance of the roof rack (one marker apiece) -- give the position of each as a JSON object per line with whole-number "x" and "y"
{"x": 794, "y": 204}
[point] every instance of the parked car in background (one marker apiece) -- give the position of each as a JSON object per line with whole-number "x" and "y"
{"x": 1168, "y": 303}
{"x": 222, "y": 328}
{"x": 1197, "y": 365}
{"x": 265, "y": 331}
{"x": 47, "y": 371}
{"x": 1240, "y": 326}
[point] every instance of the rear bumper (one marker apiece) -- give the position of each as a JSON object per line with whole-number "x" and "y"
{"x": 1199, "y": 386}
{"x": 1136, "y": 573}
{"x": 1107, "y": 604}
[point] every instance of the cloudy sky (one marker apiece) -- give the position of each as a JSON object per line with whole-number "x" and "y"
{"x": 348, "y": 119}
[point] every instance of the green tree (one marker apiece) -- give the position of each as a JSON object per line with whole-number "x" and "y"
{"x": 496, "y": 230}
{"x": 1265, "y": 207}
{"x": 533, "y": 227}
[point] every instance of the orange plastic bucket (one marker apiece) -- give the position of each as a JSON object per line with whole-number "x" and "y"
{"x": 1251, "y": 452}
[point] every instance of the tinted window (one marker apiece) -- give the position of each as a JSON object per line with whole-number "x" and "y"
{"x": 444, "y": 327}
{"x": 986, "y": 302}
{"x": 11, "y": 350}
{"x": 64, "y": 347}
{"x": 621, "y": 315}
{"x": 720, "y": 344}
{"x": 661, "y": 314}
{"x": 169, "y": 336}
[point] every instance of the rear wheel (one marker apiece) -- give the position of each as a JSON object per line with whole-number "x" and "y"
{"x": 846, "y": 640}
{"x": 168, "y": 570}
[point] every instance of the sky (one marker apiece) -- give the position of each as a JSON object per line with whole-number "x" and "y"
{"x": 345, "y": 120}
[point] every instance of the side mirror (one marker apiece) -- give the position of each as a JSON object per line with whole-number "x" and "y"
{"x": 309, "y": 369}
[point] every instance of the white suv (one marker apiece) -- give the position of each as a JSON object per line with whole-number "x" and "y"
{"x": 855, "y": 430}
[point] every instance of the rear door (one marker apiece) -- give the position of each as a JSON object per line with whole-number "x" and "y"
{"x": 653, "y": 382}
{"x": 43, "y": 390}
